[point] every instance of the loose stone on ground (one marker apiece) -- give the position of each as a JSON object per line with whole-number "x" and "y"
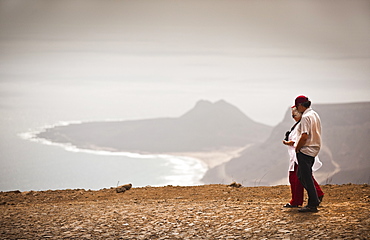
{"x": 199, "y": 212}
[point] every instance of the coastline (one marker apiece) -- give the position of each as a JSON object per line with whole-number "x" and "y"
{"x": 187, "y": 168}
{"x": 211, "y": 158}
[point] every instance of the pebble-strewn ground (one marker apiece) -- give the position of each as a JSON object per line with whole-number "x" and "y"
{"x": 201, "y": 212}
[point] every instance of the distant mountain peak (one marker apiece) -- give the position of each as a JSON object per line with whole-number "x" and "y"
{"x": 221, "y": 101}
{"x": 220, "y": 109}
{"x": 202, "y": 103}
{"x": 208, "y": 104}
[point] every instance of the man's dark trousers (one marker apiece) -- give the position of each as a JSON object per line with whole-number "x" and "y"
{"x": 304, "y": 174}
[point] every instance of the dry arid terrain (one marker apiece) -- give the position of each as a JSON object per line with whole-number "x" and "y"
{"x": 174, "y": 212}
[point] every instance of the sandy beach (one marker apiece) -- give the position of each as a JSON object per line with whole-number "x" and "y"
{"x": 213, "y": 158}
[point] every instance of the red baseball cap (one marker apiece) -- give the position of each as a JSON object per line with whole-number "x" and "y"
{"x": 300, "y": 99}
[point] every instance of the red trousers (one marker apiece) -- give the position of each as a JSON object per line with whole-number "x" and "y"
{"x": 297, "y": 188}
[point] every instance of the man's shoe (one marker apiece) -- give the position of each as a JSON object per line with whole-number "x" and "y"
{"x": 308, "y": 209}
{"x": 290, "y": 206}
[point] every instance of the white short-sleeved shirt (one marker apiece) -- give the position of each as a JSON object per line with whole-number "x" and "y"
{"x": 310, "y": 124}
{"x": 292, "y": 154}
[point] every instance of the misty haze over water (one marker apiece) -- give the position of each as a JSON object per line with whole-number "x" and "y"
{"x": 92, "y": 60}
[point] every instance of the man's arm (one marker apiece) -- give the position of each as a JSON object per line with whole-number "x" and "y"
{"x": 302, "y": 141}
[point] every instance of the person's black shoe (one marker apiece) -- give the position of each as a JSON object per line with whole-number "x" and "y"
{"x": 308, "y": 209}
{"x": 290, "y": 206}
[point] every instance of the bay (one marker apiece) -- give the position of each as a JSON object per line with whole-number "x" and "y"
{"x": 28, "y": 164}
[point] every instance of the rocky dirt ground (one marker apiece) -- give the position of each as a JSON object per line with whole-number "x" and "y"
{"x": 173, "y": 212}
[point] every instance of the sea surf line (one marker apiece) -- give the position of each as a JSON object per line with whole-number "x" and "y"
{"x": 185, "y": 170}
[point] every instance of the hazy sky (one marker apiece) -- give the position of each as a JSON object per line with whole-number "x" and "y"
{"x": 163, "y": 56}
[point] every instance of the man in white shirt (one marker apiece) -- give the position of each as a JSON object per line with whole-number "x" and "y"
{"x": 308, "y": 147}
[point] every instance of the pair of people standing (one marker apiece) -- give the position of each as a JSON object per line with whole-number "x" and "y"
{"x": 304, "y": 143}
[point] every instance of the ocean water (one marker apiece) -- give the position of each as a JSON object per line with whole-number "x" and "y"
{"x": 33, "y": 164}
